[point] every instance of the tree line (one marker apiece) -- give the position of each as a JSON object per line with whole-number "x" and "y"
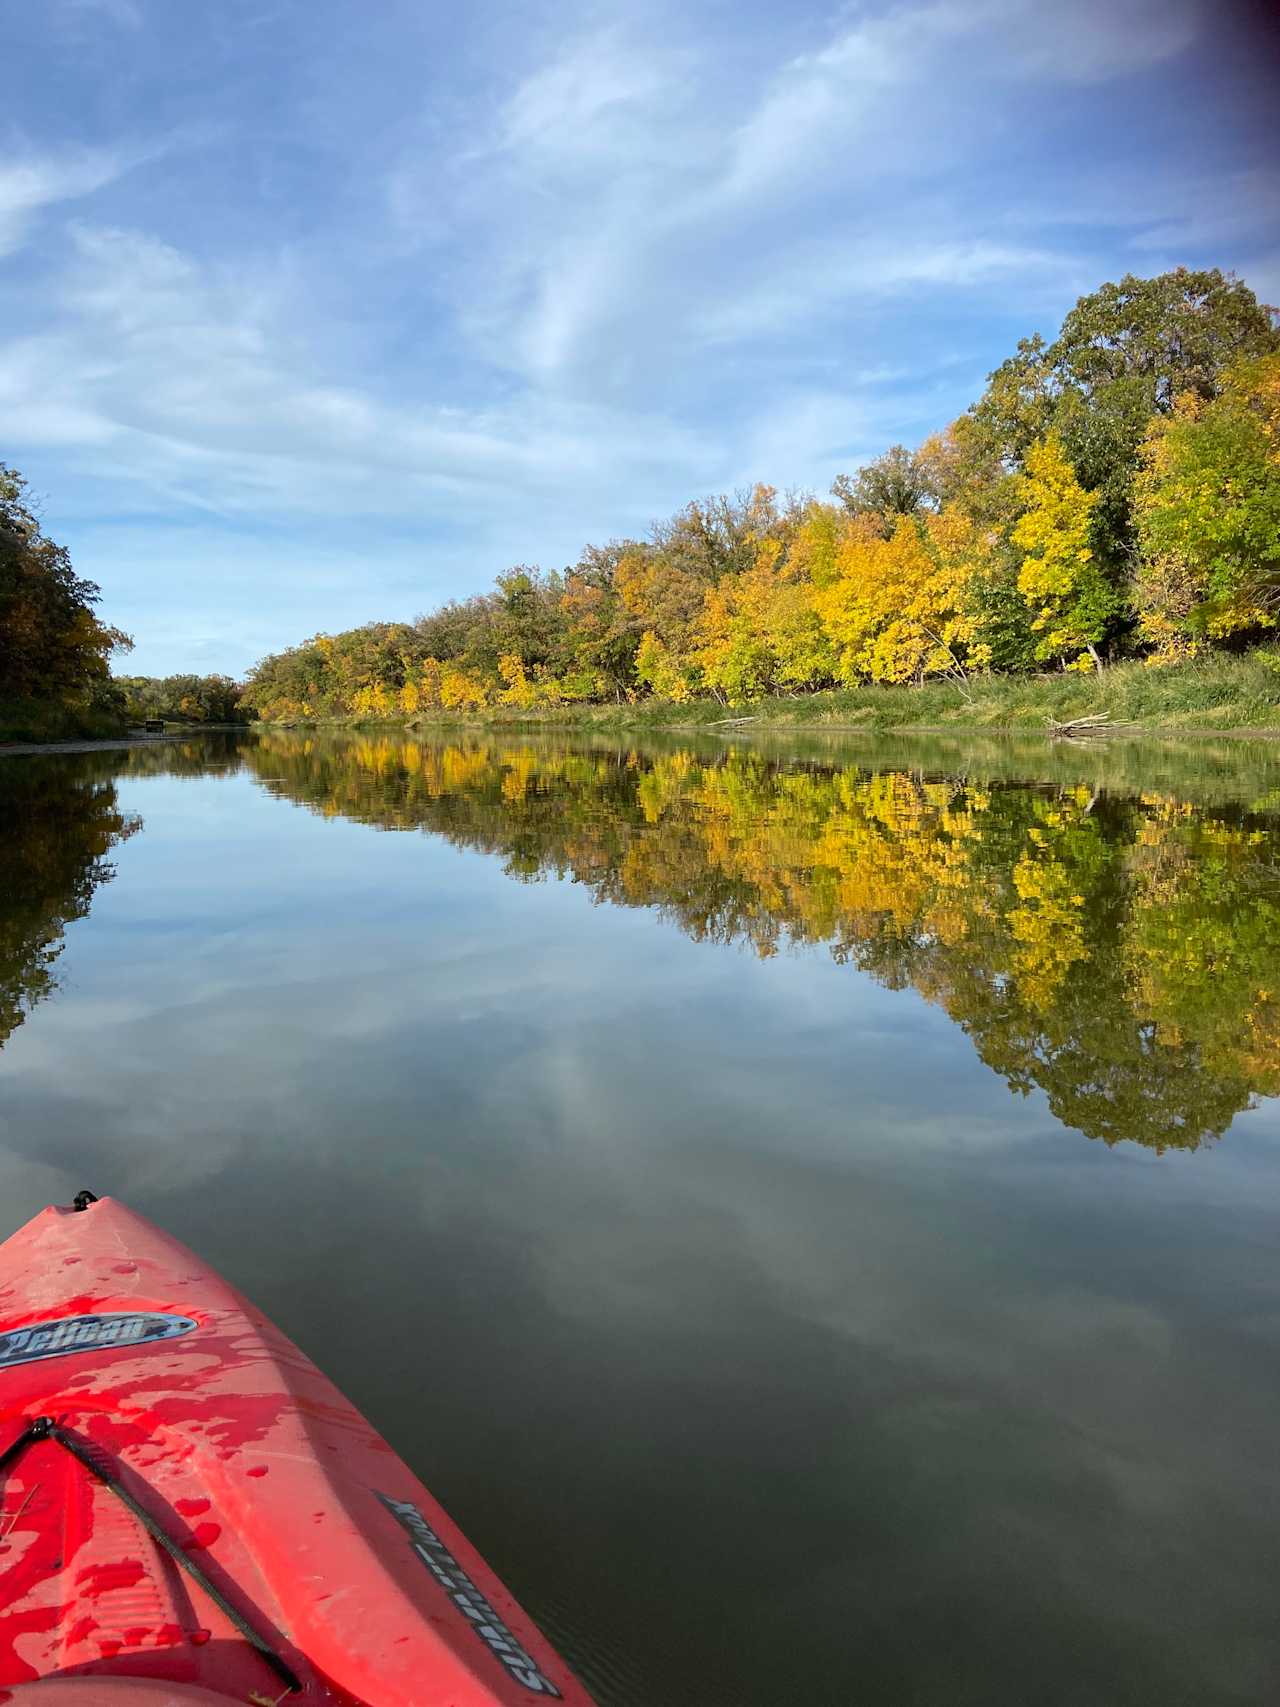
{"x": 183, "y": 699}
{"x": 1113, "y": 493}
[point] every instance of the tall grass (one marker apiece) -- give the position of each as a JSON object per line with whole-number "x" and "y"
{"x": 28, "y": 720}
{"x": 1218, "y": 691}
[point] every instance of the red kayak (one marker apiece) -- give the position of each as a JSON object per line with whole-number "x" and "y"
{"x": 190, "y": 1512}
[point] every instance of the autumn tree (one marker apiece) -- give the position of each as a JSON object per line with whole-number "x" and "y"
{"x": 1124, "y": 353}
{"x": 54, "y": 651}
{"x": 1156, "y": 338}
{"x": 600, "y": 637}
{"x": 1208, "y": 510}
{"x": 718, "y": 536}
{"x": 898, "y": 609}
{"x": 1070, "y": 599}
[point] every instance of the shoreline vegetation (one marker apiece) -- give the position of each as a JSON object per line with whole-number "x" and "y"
{"x": 1214, "y": 695}
{"x": 1219, "y": 694}
{"x": 1098, "y": 536}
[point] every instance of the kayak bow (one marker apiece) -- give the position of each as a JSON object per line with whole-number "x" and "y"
{"x": 191, "y": 1512}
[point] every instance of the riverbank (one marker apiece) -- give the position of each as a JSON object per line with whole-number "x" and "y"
{"x": 113, "y": 744}
{"x": 1215, "y": 695}
{"x": 118, "y": 741}
{"x": 29, "y": 722}
{"x": 1212, "y": 695}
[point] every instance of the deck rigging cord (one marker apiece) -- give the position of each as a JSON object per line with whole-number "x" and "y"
{"x": 44, "y": 1428}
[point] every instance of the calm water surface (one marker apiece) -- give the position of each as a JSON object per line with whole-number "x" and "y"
{"x": 810, "y": 1213}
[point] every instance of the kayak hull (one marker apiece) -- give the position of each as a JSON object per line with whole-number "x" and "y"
{"x": 299, "y": 1514}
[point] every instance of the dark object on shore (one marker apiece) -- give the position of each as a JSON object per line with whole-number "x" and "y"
{"x": 154, "y": 726}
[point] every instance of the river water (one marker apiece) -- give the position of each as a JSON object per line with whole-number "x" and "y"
{"x": 810, "y": 1212}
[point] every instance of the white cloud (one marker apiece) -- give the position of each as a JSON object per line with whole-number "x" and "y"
{"x": 194, "y": 371}
{"x": 637, "y": 207}
{"x": 827, "y": 275}
{"x": 829, "y": 98}
{"x": 28, "y": 185}
{"x": 588, "y": 99}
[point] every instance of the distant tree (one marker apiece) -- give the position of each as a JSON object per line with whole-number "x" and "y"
{"x": 899, "y": 483}
{"x": 183, "y": 698}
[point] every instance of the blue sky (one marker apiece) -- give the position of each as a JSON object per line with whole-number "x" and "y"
{"x": 314, "y": 312}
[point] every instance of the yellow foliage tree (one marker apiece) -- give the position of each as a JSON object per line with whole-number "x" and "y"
{"x": 429, "y": 683}
{"x": 517, "y": 688}
{"x": 663, "y": 671}
{"x": 372, "y": 700}
{"x": 1060, "y": 580}
{"x": 761, "y": 629}
{"x": 460, "y": 691}
{"x": 897, "y": 609}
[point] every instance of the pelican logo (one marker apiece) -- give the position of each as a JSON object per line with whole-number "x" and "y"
{"x": 88, "y": 1333}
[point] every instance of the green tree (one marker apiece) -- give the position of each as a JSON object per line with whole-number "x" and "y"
{"x": 895, "y": 484}
{"x": 1125, "y": 352}
{"x": 1177, "y": 332}
{"x": 54, "y": 652}
{"x": 1208, "y": 509}
{"x": 183, "y": 698}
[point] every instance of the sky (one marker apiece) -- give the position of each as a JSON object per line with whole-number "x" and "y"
{"x": 317, "y": 312}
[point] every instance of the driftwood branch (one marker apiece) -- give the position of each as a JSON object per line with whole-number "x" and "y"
{"x": 1078, "y": 728}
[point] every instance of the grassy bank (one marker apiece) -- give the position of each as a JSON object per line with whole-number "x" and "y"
{"x": 1216, "y": 692}
{"x": 32, "y": 720}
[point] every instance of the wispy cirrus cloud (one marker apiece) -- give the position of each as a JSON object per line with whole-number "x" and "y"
{"x": 200, "y": 376}
{"x": 643, "y": 205}
{"x": 33, "y": 181}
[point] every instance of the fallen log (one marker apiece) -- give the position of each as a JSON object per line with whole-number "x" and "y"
{"x": 1097, "y": 723}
